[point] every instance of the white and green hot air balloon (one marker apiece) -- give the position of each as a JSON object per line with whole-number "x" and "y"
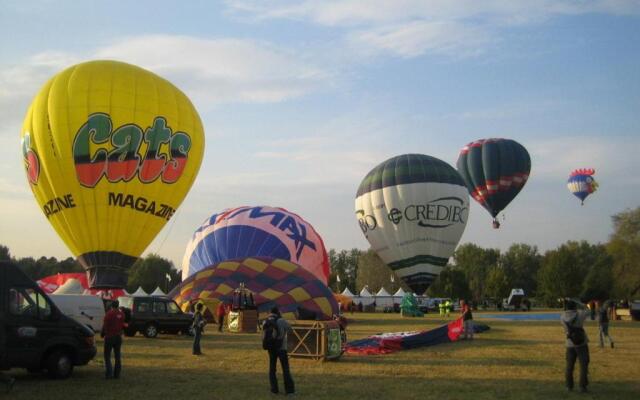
{"x": 413, "y": 209}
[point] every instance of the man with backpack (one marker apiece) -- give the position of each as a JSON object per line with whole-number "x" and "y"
{"x": 603, "y": 322}
{"x": 274, "y": 340}
{"x": 198, "y": 327}
{"x": 577, "y": 343}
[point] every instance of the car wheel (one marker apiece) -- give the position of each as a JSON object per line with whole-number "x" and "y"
{"x": 59, "y": 365}
{"x": 129, "y": 332}
{"x": 150, "y": 331}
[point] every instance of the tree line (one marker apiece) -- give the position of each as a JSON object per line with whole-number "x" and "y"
{"x": 574, "y": 269}
{"x": 147, "y": 272}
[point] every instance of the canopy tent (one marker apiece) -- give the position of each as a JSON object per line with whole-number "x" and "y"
{"x": 158, "y": 292}
{"x": 72, "y": 286}
{"x": 52, "y": 283}
{"x": 400, "y": 293}
{"x": 140, "y": 292}
{"x": 383, "y": 298}
{"x": 343, "y": 301}
{"x": 347, "y": 292}
{"x": 363, "y": 298}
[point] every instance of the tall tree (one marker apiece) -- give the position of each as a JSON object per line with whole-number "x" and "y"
{"x": 520, "y": 265}
{"x": 475, "y": 262}
{"x": 5, "y": 254}
{"x": 624, "y": 247}
{"x": 498, "y": 285}
{"x": 450, "y": 283}
{"x": 345, "y": 265}
{"x": 151, "y": 272}
{"x": 375, "y": 274}
{"x": 564, "y": 270}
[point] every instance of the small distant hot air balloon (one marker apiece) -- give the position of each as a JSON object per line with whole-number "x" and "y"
{"x": 581, "y": 183}
{"x": 494, "y": 170}
{"x": 413, "y": 209}
{"x": 256, "y": 231}
{"x": 110, "y": 152}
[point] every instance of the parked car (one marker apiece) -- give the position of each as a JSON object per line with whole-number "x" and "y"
{"x": 151, "y": 315}
{"x": 34, "y": 333}
{"x": 86, "y": 309}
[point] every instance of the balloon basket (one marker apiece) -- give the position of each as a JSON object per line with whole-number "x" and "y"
{"x": 242, "y": 321}
{"x": 315, "y": 340}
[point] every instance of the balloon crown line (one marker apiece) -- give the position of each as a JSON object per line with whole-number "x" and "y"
{"x": 583, "y": 171}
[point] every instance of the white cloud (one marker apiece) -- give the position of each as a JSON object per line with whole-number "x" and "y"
{"x": 410, "y": 28}
{"x": 418, "y": 37}
{"x": 221, "y": 70}
{"x": 555, "y": 158}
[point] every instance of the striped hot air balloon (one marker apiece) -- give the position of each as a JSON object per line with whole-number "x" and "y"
{"x": 494, "y": 170}
{"x": 413, "y": 209}
{"x": 582, "y": 183}
{"x": 256, "y": 231}
{"x": 272, "y": 282}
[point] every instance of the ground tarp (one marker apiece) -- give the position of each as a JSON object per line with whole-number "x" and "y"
{"x": 385, "y": 343}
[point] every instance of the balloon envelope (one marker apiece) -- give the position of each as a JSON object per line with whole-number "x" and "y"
{"x": 256, "y": 231}
{"x": 494, "y": 170}
{"x": 413, "y": 210}
{"x": 272, "y": 281}
{"x": 110, "y": 151}
{"x": 582, "y": 183}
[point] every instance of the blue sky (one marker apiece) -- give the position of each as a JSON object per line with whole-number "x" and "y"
{"x": 301, "y": 99}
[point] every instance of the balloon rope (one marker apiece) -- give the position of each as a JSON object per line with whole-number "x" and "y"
{"x": 175, "y": 216}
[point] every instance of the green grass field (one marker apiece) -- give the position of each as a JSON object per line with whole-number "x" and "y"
{"x": 514, "y": 360}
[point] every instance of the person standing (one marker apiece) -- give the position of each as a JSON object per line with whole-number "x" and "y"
{"x": 577, "y": 342}
{"x": 603, "y": 322}
{"x": 467, "y": 319}
{"x": 7, "y": 380}
{"x": 274, "y": 331}
{"x": 447, "y": 308}
{"x": 441, "y": 308}
{"x": 198, "y": 328}
{"x": 221, "y": 311}
{"x": 113, "y": 325}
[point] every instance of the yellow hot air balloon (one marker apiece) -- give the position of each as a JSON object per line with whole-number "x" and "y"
{"x": 110, "y": 151}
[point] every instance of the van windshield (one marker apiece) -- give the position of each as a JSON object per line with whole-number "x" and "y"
{"x": 126, "y": 302}
{"x": 28, "y": 302}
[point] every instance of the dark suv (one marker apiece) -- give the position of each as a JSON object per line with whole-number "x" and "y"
{"x": 152, "y": 314}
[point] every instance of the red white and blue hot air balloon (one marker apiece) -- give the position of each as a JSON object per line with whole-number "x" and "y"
{"x": 581, "y": 183}
{"x": 260, "y": 231}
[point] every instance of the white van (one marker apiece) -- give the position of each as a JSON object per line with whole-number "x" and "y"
{"x": 86, "y": 309}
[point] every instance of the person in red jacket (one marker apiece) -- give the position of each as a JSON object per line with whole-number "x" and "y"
{"x": 114, "y": 322}
{"x": 221, "y": 311}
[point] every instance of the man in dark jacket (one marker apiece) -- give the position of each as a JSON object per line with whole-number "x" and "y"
{"x": 603, "y": 322}
{"x": 198, "y": 327}
{"x": 114, "y": 321}
{"x": 279, "y": 353}
{"x": 576, "y": 343}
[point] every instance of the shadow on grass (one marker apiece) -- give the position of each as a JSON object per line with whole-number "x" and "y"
{"x": 250, "y": 382}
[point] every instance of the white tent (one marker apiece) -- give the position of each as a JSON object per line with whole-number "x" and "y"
{"x": 383, "y": 298}
{"x": 347, "y": 292}
{"x": 158, "y": 292}
{"x": 140, "y": 292}
{"x": 364, "y": 298}
{"x": 72, "y": 286}
{"x": 400, "y": 293}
